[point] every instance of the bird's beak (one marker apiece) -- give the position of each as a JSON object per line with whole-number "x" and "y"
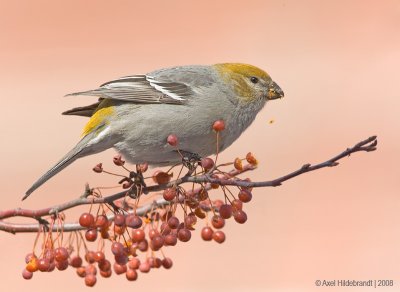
{"x": 274, "y": 91}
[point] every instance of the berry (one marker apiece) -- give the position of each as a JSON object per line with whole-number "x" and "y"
{"x": 90, "y": 280}
{"x": 27, "y": 275}
{"x": 104, "y": 265}
{"x": 76, "y": 262}
{"x": 86, "y": 220}
{"x": 61, "y": 254}
{"x": 219, "y": 126}
{"x": 167, "y": 263}
{"x": 170, "y": 239}
{"x": 101, "y": 222}
{"x": 169, "y": 194}
{"x": 90, "y": 257}
{"x": 131, "y": 275}
{"x": 91, "y": 235}
{"x": 225, "y": 211}
{"x": 105, "y": 274}
{"x": 207, "y": 163}
{"x": 172, "y": 140}
{"x": 144, "y": 267}
{"x": 133, "y": 221}
{"x": 251, "y": 159}
{"x": 143, "y": 167}
{"x": 240, "y": 216}
{"x": 184, "y": 234}
{"x": 217, "y": 222}
{"x": 118, "y": 160}
{"x": 44, "y": 265}
{"x": 119, "y": 219}
{"x": 238, "y": 164}
{"x": 134, "y": 263}
{"x": 99, "y": 256}
{"x": 157, "y": 242}
{"x": 33, "y": 265}
{"x": 219, "y": 236}
{"x": 62, "y": 265}
{"x": 138, "y": 235}
{"x": 117, "y": 248}
{"x": 161, "y": 177}
{"x": 81, "y": 271}
{"x": 245, "y": 196}
{"x": 207, "y": 233}
{"x": 237, "y": 205}
{"x": 119, "y": 269}
{"x": 143, "y": 245}
{"x": 98, "y": 168}
{"x": 173, "y": 222}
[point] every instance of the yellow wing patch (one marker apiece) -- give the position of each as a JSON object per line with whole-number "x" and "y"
{"x": 100, "y": 116}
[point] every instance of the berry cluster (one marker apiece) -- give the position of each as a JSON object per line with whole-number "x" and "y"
{"x": 138, "y": 236}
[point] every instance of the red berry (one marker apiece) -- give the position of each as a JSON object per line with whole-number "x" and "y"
{"x": 245, "y": 196}
{"x": 143, "y": 167}
{"x": 170, "y": 240}
{"x": 184, "y": 234}
{"x": 98, "y": 168}
{"x": 240, "y": 216}
{"x": 90, "y": 280}
{"x": 118, "y": 160}
{"x": 173, "y": 222}
{"x": 105, "y": 274}
{"x": 86, "y": 220}
{"x": 219, "y": 236}
{"x": 62, "y": 265}
{"x": 225, "y": 211}
{"x": 207, "y": 233}
{"x": 143, "y": 245}
{"x": 169, "y": 194}
{"x": 217, "y": 222}
{"x": 133, "y": 221}
{"x": 99, "y": 256}
{"x": 237, "y": 205}
{"x": 167, "y": 263}
{"x": 172, "y": 140}
{"x": 207, "y": 163}
{"x": 119, "y": 269}
{"x": 119, "y": 219}
{"x": 105, "y": 265}
{"x": 44, "y": 265}
{"x": 219, "y": 125}
{"x": 91, "y": 235}
{"x": 131, "y": 275}
{"x": 27, "y": 275}
{"x": 144, "y": 267}
{"x": 61, "y": 254}
{"x": 161, "y": 177}
{"x": 117, "y": 248}
{"x": 76, "y": 262}
{"x": 134, "y": 263}
{"x": 90, "y": 257}
{"x": 81, "y": 271}
{"x": 101, "y": 221}
{"x": 157, "y": 242}
{"x": 29, "y": 256}
{"x": 138, "y": 235}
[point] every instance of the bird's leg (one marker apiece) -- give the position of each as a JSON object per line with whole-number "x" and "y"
{"x": 137, "y": 177}
{"x": 190, "y": 161}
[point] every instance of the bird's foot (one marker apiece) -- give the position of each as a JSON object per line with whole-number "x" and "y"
{"x": 190, "y": 161}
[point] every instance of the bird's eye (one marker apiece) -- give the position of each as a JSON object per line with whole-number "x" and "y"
{"x": 254, "y": 79}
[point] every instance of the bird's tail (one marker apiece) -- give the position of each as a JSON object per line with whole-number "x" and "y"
{"x": 78, "y": 151}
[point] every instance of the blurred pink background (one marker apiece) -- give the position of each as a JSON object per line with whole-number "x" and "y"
{"x": 338, "y": 64}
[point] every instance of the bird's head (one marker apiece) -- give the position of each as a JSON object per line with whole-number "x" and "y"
{"x": 249, "y": 82}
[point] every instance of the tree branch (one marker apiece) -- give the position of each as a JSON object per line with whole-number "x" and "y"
{"x": 227, "y": 179}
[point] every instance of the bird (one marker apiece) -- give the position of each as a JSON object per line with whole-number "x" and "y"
{"x": 135, "y": 114}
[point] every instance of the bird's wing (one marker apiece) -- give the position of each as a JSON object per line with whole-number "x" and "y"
{"x": 142, "y": 89}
